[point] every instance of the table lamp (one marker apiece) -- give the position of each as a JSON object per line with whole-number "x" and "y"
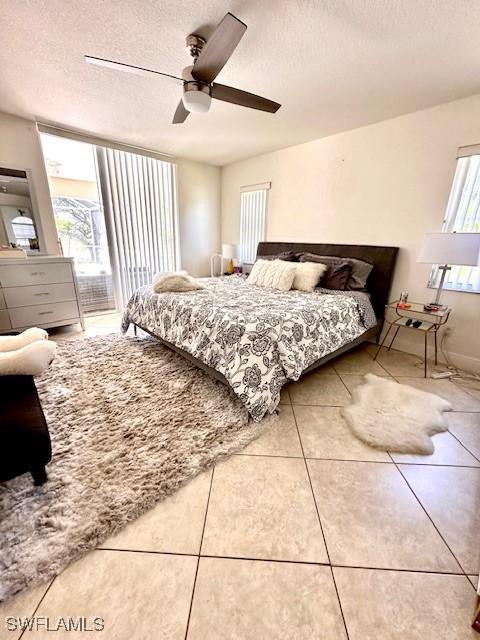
{"x": 446, "y": 249}
{"x": 229, "y": 254}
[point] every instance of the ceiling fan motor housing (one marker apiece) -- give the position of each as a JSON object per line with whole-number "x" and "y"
{"x": 197, "y": 96}
{"x": 195, "y": 44}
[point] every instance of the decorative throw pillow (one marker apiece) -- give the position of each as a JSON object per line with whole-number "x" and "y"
{"x": 289, "y": 256}
{"x": 337, "y": 276}
{"x": 308, "y": 275}
{"x": 360, "y": 272}
{"x": 275, "y": 274}
{"x": 174, "y": 281}
{"x": 338, "y": 270}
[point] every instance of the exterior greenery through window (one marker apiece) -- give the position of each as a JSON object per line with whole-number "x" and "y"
{"x": 81, "y": 228}
{"x": 79, "y": 223}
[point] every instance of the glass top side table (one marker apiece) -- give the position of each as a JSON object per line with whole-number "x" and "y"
{"x": 431, "y": 322}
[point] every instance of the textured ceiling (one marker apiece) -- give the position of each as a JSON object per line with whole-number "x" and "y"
{"x": 333, "y": 64}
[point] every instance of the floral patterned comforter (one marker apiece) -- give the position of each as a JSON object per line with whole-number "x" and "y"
{"x": 257, "y": 338}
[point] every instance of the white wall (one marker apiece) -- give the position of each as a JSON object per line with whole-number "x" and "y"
{"x": 384, "y": 184}
{"x": 198, "y": 194}
{"x": 199, "y": 215}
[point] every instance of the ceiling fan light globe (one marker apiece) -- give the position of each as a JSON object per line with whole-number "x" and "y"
{"x": 196, "y": 100}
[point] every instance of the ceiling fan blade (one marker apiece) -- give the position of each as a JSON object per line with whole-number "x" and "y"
{"x": 218, "y": 49}
{"x": 180, "y": 114}
{"x": 129, "y": 68}
{"x": 243, "y": 98}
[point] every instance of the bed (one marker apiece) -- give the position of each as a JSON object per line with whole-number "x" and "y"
{"x": 255, "y": 339}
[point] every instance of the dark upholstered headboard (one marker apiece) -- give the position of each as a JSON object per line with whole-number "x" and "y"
{"x": 382, "y": 258}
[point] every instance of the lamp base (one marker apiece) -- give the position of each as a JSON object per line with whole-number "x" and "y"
{"x": 443, "y": 268}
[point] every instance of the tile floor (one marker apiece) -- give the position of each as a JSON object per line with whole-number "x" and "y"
{"x": 306, "y": 534}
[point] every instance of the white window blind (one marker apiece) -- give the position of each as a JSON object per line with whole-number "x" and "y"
{"x": 463, "y": 214}
{"x": 140, "y": 208}
{"x": 253, "y": 220}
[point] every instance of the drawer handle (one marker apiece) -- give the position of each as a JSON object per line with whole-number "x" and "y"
{"x": 43, "y": 293}
{"x": 37, "y": 273}
{"x": 44, "y": 313}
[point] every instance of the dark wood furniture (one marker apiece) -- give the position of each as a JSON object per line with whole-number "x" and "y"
{"x": 379, "y": 282}
{"x": 24, "y": 437}
{"x": 476, "y": 621}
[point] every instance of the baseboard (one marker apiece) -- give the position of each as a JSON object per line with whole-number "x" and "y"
{"x": 466, "y": 363}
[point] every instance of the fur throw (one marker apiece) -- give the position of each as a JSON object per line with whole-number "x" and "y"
{"x": 395, "y": 417}
{"x": 29, "y": 360}
{"x": 11, "y": 343}
{"x": 174, "y": 281}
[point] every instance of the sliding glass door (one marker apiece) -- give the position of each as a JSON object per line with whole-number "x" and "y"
{"x": 78, "y": 210}
{"x": 115, "y": 213}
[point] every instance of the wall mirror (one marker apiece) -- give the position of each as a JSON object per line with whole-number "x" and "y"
{"x": 19, "y": 219}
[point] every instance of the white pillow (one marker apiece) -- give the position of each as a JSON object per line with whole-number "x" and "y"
{"x": 307, "y": 275}
{"x": 275, "y": 274}
{"x": 174, "y": 281}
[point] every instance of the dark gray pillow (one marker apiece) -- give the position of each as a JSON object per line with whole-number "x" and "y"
{"x": 337, "y": 276}
{"x": 289, "y": 256}
{"x": 338, "y": 273}
{"x": 359, "y": 274}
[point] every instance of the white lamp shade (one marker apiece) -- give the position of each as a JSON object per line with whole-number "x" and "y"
{"x": 196, "y": 101}
{"x": 451, "y": 248}
{"x": 229, "y": 251}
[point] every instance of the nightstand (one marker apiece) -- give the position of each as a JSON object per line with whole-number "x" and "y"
{"x": 431, "y": 322}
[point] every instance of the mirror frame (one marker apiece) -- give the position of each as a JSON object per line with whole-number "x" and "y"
{"x": 35, "y": 209}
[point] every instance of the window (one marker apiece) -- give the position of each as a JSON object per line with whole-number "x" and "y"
{"x": 79, "y": 217}
{"x": 24, "y": 231}
{"x": 463, "y": 215}
{"x": 116, "y": 214}
{"x": 253, "y": 219}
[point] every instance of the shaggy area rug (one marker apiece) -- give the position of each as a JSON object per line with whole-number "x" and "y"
{"x": 130, "y": 422}
{"x": 395, "y": 417}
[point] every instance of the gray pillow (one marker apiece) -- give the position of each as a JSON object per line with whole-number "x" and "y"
{"x": 338, "y": 273}
{"x": 289, "y": 256}
{"x": 359, "y": 274}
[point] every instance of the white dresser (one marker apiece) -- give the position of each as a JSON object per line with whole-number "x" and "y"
{"x": 38, "y": 292}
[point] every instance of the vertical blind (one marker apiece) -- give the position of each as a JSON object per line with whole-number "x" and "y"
{"x": 463, "y": 215}
{"x": 140, "y": 209}
{"x": 253, "y": 218}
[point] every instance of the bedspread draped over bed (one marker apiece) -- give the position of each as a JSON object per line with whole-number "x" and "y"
{"x": 256, "y": 337}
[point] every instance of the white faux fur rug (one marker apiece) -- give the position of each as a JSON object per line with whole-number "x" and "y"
{"x": 395, "y": 417}
{"x": 130, "y": 423}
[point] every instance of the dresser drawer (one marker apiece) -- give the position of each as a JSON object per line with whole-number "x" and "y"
{"x": 39, "y": 294}
{"x": 2, "y": 300}
{"x": 43, "y": 314}
{"x": 4, "y": 320}
{"x": 20, "y": 275}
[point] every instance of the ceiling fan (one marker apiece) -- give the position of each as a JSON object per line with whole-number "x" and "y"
{"x": 209, "y": 58}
